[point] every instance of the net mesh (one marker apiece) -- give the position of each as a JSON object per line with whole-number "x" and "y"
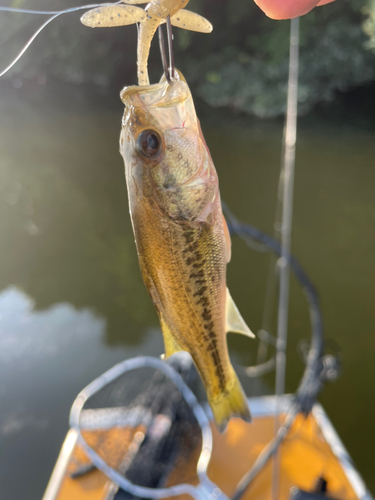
{"x": 142, "y": 427}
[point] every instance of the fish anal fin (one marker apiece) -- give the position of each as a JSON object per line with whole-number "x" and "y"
{"x": 234, "y": 321}
{"x": 170, "y": 343}
{"x": 112, "y": 16}
{"x": 231, "y": 402}
{"x": 227, "y": 239}
{"x": 191, "y": 21}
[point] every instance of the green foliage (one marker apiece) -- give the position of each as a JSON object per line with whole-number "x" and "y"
{"x": 337, "y": 45}
{"x": 369, "y": 24}
{"x": 242, "y": 65}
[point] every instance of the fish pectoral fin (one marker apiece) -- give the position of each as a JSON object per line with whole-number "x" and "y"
{"x": 191, "y": 21}
{"x": 170, "y": 343}
{"x": 112, "y": 16}
{"x": 234, "y": 321}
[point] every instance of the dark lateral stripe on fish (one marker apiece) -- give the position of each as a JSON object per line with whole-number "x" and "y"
{"x": 196, "y": 260}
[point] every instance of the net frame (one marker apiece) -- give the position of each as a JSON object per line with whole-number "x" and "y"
{"x": 206, "y": 488}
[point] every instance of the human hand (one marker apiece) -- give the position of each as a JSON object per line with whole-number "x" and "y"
{"x": 288, "y": 9}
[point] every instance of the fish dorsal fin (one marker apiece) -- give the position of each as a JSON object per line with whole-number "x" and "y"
{"x": 191, "y": 21}
{"x": 112, "y": 16}
{"x": 234, "y": 321}
{"x": 227, "y": 239}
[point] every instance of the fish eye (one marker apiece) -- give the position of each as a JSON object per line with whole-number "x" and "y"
{"x": 149, "y": 144}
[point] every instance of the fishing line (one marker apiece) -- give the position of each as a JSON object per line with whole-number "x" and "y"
{"x": 268, "y": 451}
{"x": 41, "y": 28}
{"x": 275, "y": 265}
{"x": 286, "y": 229}
{"x": 246, "y": 232}
{"x": 264, "y": 335}
{"x": 49, "y": 12}
{"x": 319, "y": 368}
{"x": 273, "y": 272}
{"x": 262, "y": 365}
{"x": 268, "y": 309}
{"x": 27, "y": 11}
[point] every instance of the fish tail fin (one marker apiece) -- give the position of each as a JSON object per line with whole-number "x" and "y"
{"x": 231, "y": 402}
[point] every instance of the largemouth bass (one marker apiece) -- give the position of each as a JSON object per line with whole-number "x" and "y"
{"x": 182, "y": 239}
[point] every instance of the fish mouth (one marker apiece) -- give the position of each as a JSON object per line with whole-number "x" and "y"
{"x": 167, "y": 105}
{"x": 163, "y": 94}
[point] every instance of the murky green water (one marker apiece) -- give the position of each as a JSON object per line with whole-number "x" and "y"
{"x": 72, "y": 302}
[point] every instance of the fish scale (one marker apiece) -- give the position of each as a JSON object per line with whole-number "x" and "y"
{"x": 197, "y": 284}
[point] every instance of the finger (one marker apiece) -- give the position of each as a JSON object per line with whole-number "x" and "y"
{"x": 287, "y": 9}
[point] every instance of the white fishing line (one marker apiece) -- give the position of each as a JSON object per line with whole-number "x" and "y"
{"x": 41, "y": 28}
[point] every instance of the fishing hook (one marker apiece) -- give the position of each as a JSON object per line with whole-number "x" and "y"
{"x": 163, "y": 54}
{"x": 168, "y": 70}
{"x": 170, "y": 46}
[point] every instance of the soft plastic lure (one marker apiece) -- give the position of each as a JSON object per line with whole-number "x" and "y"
{"x": 149, "y": 19}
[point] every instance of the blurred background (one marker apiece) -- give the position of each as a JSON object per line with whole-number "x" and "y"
{"x": 72, "y": 302}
